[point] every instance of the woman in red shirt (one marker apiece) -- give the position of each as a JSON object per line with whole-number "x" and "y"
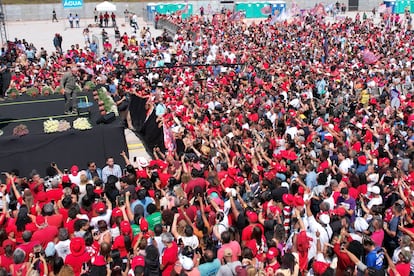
{"x": 7, "y": 258}
{"x": 124, "y": 241}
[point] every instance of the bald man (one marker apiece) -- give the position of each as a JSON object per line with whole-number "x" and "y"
{"x": 68, "y": 83}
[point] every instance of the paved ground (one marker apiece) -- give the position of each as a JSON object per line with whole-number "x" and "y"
{"x": 41, "y": 33}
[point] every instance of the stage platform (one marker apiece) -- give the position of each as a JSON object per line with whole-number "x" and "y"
{"x": 37, "y": 149}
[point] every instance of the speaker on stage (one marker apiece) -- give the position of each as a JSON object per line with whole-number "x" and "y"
{"x": 106, "y": 119}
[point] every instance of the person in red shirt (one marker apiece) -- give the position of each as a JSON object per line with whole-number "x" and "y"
{"x": 169, "y": 257}
{"x": 78, "y": 255}
{"x": 46, "y": 233}
{"x": 123, "y": 241}
{"x": 7, "y": 258}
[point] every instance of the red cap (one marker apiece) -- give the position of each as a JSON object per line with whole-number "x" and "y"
{"x": 301, "y": 190}
{"x": 299, "y": 201}
{"x": 100, "y": 207}
{"x": 117, "y": 212}
{"x": 383, "y": 161}
{"x": 319, "y": 268}
{"x": 143, "y": 225}
{"x": 362, "y": 160}
{"x": 252, "y": 216}
{"x": 137, "y": 261}
{"x": 125, "y": 227}
{"x": 329, "y": 137}
{"x": 274, "y": 209}
{"x": 65, "y": 179}
{"x": 288, "y": 199}
{"x": 272, "y": 253}
{"x": 339, "y": 212}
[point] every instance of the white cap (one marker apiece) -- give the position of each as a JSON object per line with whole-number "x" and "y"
{"x": 374, "y": 189}
{"x": 142, "y": 162}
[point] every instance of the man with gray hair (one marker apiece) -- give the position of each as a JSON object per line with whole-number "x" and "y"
{"x": 63, "y": 246}
{"x": 169, "y": 257}
{"x": 68, "y": 83}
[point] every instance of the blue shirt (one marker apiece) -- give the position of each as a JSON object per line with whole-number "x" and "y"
{"x": 311, "y": 180}
{"x": 375, "y": 258}
{"x": 209, "y": 269}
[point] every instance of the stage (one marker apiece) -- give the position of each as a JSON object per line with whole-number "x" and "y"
{"x": 38, "y": 149}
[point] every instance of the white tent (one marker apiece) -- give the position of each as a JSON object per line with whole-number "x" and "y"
{"x": 105, "y": 6}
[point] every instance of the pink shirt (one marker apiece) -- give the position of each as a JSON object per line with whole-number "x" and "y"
{"x": 235, "y": 249}
{"x": 377, "y": 237}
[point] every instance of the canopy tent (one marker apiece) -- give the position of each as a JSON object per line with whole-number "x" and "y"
{"x": 106, "y": 6}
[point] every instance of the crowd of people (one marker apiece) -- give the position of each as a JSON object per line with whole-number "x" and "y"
{"x": 288, "y": 151}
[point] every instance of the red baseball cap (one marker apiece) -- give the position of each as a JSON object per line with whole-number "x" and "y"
{"x": 137, "y": 261}
{"x": 272, "y": 253}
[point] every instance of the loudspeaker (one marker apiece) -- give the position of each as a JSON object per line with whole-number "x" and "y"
{"x": 106, "y": 119}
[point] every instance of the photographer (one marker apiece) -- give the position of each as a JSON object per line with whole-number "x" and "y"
{"x": 38, "y": 263}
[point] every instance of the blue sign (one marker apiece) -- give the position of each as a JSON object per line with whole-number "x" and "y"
{"x": 69, "y": 4}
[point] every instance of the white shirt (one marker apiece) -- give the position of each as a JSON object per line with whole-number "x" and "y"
{"x": 374, "y": 201}
{"x": 324, "y": 237}
{"x": 106, "y": 217}
{"x": 63, "y": 248}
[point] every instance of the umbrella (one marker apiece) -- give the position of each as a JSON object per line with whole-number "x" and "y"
{"x": 106, "y": 6}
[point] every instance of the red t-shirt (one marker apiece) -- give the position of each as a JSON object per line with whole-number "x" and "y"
{"x": 55, "y": 220}
{"x": 54, "y": 194}
{"x": 168, "y": 259}
{"x": 120, "y": 245}
{"x": 28, "y": 248}
{"x": 45, "y": 235}
{"x": 402, "y": 268}
{"x": 6, "y": 262}
{"x": 76, "y": 262}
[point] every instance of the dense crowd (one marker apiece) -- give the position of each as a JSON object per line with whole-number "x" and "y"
{"x": 288, "y": 151}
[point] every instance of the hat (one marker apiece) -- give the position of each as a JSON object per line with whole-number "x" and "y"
{"x": 17, "y": 70}
{"x": 228, "y": 252}
{"x": 143, "y": 225}
{"x": 339, "y": 212}
{"x": 187, "y": 263}
{"x": 272, "y": 253}
{"x": 362, "y": 160}
{"x": 288, "y": 199}
{"x": 252, "y": 216}
{"x": 125, "y": 227}
{"x": 137, "y": 261}
{"x": 142, "y": 162}
{"x": 77, "y": 246}
{"x": 319, "y": 268}
{"x": 65, "y": 179}
{"x": 299, "y": 201}
{"x": 325, "y": 219}
{"x": 117, "y": 213}
{"x": 100, "y": 207}
{"x": 374, "y": 189}
{"x": 50, "y": 249}
{"x": 74, "y": 170}
{"x": 360, "y": 224}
